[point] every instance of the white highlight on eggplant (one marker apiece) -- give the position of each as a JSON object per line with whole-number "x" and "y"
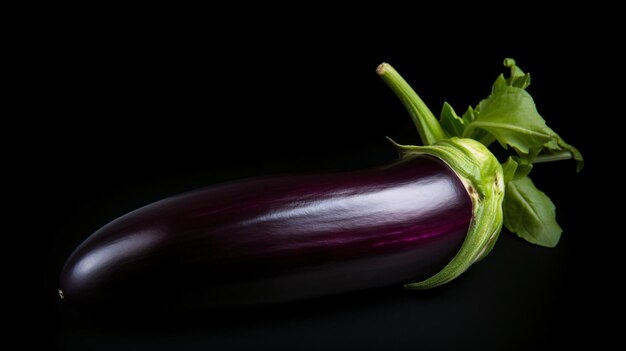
{"x": 396, "y": 202}
{"x": 98, "y": 261}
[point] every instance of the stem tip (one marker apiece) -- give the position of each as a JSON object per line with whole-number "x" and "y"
{"x": 380, "y": 70}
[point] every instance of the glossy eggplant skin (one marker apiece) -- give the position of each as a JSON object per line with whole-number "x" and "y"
{"x": 278, "y": 239}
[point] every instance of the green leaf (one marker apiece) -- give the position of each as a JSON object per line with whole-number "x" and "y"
{"x": 500, "y": 84}
{"x": 523, "y": 168}
{"x": 508, "y": 169}
{"x": 516, "y": 168}
{"x": 510, "y": 115}
{"x": 529, "y": 213}
{"x": 477, "y": 134}
{"x": 518, "y": 78}
{"x": 451, "y": 122}
{"x": 469, "y": 116}
{"x": 520, "y": 82}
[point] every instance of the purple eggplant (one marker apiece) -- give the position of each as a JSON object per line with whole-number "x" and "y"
{"x": 421, "y": 221}
{"x": 277, "y": 239}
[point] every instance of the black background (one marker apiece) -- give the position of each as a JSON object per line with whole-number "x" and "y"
{"x": 137, "y": 112}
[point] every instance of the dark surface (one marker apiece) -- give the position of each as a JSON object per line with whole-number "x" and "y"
{"x": 158, "y": 112}
{"x": 275, "y": 239}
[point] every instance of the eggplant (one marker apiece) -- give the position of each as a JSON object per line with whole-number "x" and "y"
{"x": 277, "y": 239}
{"x": 421, "y": 221}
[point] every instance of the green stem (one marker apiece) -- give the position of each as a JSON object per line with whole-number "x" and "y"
{"x": 557, "y": 156}
{"x": 428, "y": 127}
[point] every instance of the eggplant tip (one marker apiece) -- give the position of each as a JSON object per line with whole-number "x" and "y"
{"x": 61, "y": 294}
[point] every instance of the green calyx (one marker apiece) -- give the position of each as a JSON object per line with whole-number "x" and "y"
{"x": 482, "y": 175}
{"x": 502, "y": 194}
